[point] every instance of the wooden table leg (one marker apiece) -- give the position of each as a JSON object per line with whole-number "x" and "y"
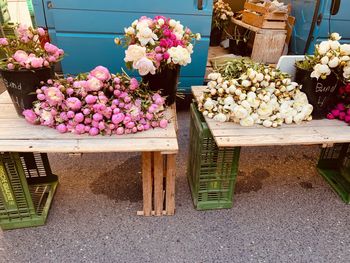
{"x": 147, "y": 183}
{"x": 158, "y": 183}
{"x": 170, "y": 183}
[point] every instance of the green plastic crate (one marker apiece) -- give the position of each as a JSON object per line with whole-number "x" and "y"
{"x": 334, "y": 166}
{"x": 212, "y": 171}
{"x": 27, "y": 187}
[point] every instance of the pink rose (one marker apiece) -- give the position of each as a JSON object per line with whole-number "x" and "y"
{"x": 4, "y": 41}
{"x": 20, "y": 56}
{"x": 101, "y": 73}
{"x": 94, "y": 84}
{"x": 30, "y": 116}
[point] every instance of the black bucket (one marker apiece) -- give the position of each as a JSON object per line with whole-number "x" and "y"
{"x": 164, "y": 81}
{"x": 321, "y": 93}
{"x": 21, "y": 85}
{"x": 215, "y": 37}
{"x": 239, "y": 48}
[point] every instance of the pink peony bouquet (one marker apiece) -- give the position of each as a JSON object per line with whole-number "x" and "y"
{"x": 25, "y": 51}
{"x": 97, "y": 103}
{"x": 156, "y": 43}
{"x": 342, "y": 110}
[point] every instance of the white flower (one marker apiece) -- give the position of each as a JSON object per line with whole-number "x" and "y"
{"x": 246, "y": 104}
{"x": 335, "y": 36}
{"x": 214, "y": 76}
{"x": 212, "y": 84}
{"x": 251, "y": 95}
{"x": 229, "y": 100}
{"x": 179, "y": 55}
{"x": 145, "y": 66}
{"x": 141, "y": 24}
{"x": 345, "y": 58}
{"x": 247, "y": 121}
{"x": 220, "y": 117}
{"x": 345, "y": 49}
{"x": 246, "y": 83}
{"x": 334, "y": 62}
{"x": 223, "y": 17}
{"x": 145, "y": 35}
{"x": 323, "y": 47}
{"x": 240, "y": 112}
{"x": 298, "y": 118}
{"x": 232, "y": 89}
{"x": 209, "y": 104}
{"x": 319, "y": 70}
{"x": 252, "y": 74}
{"x": 172, "y": 23}
{"x": 134, "y": 24}
{"x": 134, "y": 53}
{"x": 259, "y": 77}
{"x": 198, "y": 36}
{"x": 267, "y": 123}
{"x": 288, "y": 119}
{"x": 190, "y": 48}
{"x": 265, "y": 110}
{"x": 346, "y": 72}
{"x": 129, "y": 31}
{"x": 334, "y": 45}
{"x": 324, "y": 60}
{"x": 160, "y": 21}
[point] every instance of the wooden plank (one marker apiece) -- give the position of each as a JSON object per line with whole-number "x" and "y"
{"x": 147, "y": 185}
{"x": 153, "y": 213}
{"x": 170, "y": 183}
{"x": 275, "y": 42}
{"x": 158, "y": 183}
{"x": 254, "y": 28}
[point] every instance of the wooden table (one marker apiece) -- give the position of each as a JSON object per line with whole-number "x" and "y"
{"x": 158, "y": 147}
{"x": 268, "y": 43}
{"x": 323, "y": 132}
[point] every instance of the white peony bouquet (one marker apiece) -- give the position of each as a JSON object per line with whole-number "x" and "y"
{"x": 222, "y": 14}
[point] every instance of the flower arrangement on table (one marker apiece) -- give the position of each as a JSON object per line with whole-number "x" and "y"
{"x": 24, "y": 50}
{"x": 260, "y": 95}
{"x": 330, "y": 56}
{"x": 222, "y": 15}
{"x": 97, "y": 103}
{"x": 156, "y": 48}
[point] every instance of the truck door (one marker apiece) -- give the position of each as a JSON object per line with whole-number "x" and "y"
{"x": 86, "y": 30}
{"x": 340, "y": 18}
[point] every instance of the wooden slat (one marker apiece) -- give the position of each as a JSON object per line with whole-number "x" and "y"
{"x": 254, "y": 28}
{"x": 147, "y": 183}
{"x": 170, "y": 184}
{"x": 230, "y": 134}
{"x": 158, "y": 183}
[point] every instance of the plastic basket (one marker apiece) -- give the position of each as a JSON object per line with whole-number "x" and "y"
{"x": 27, "y": 187}
{"x": 211, "y": 170}
{"x": 334, "y": 166}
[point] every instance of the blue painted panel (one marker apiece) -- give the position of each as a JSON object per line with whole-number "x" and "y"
{"x": 114, "y": 22}
{"x": 39, "y": 13}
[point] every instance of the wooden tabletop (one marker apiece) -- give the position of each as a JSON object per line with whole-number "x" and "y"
{"x": 16, "y": 135}
{"x": 325, "y": 132}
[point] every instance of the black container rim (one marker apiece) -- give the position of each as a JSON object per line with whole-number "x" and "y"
{"x": 25, "y": 70}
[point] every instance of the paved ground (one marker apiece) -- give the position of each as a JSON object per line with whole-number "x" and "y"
{"x": 283, "y": 212}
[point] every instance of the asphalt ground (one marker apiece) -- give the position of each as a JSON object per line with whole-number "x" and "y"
{"x": 283, "y": 212}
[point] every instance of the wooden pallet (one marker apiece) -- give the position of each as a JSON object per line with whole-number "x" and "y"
{"x": 261, "y": 17}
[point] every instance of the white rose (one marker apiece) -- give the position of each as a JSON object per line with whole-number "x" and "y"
{"x": 298, "y": 118}
{"x": 251, "y": 95}
{"x": 145, "y": 35}
{"x": 141, "y": 24}
{"x": 172, "y": 23}
{"x": 324, "y": 60}
{"x": 334, "y": 45}
{"x": 265, "y": 110}
{"x": 161, "y": 21}
{"x": 212, "y": 84}
{"x": 240, "y": 112}
{"x": 246, "y": 83}
{"x": 252, "y": 74}
{"x": 179, "y": 55}
{"x": 335, "y": 36}
{"x": 345, "y": 49}
{"x": 334, "y": 62}
{"x": 259, "y": 77}
{"x": 209, "y": 104}
{"x": 214, "y": 76}
{"x": 129, "y": 31}
{"x": 246, "y": 104}
{"x": 145, "y": 66}
{"x": 323, "y": 47}
{"x": 229, "y": 100}
{"x": 134, "y": 53}
{"x": 267, "y": 123}
{"x": 248, "y": 121}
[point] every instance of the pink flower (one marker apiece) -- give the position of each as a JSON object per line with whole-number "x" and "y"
{"x": 86, "y": 111}
{"x": 101, "y": 73}
{"x": 20, "y": 56}
{"x": 63, "y": 116}
{"x": 3, "y": 41}
{"x": 166, "y": 55}
{"x": 10, "y": 66}
{"x": 130, "y": 125}
{"x": 50, "y": 48}
{"x": 41, "y": 96}
{"x": 118, "y": 118}
{"x": 120, "y": 130}
{"x": 340, "y": 106}
{"x": 79, "y": 117}
{"x": 30, "y": 116}
{"x": 70, "y": 114}
{"x": 70, "y": 91}
{"x": 73, "y": 103}
{"x": 163, "y": 124}
{"x": 335, "y": 112}
{"x": 80, "y": 128}
{"x": 159, "y": 57}
{"x": 62, "y": 128}
{"x": 52, "y": 59}
{"x": 53, "y": 96}
{"x": 330, "y": 116}
{"x": 97, "y": 116}
{"x": 37, "y": 62}
{"x": 145, "y": 66}
{"x": 41, "y": 31}
{"x": 94, "y": 84}
{"x": 94, "y": 131}
{"x": 90, "y": 99}
{"x": 347, "y": 118}
{"x": 134, "y": 84}
{"x": 342, "y": 115}
{"x": 347, "y": 88}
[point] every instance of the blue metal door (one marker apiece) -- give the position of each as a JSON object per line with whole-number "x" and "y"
{"x": 86, "y": 30}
